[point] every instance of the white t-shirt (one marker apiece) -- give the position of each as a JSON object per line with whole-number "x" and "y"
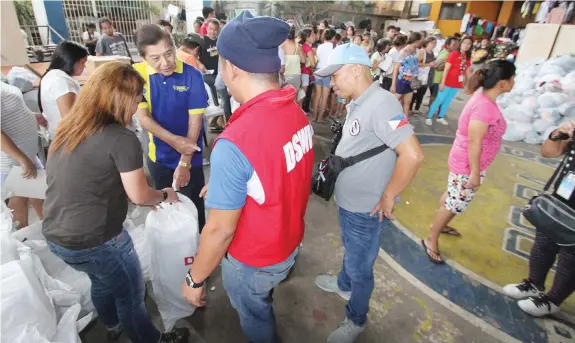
{"x": 55, "y": 84}
{"x": 18, "y": 123}
{"x": 376, "y": 56}
{"x": 323, "y": 52}
{"x": 388, "y": 64}
{"x": 86, "y": 36}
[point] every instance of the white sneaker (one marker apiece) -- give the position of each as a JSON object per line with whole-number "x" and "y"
{"x": 538, "y": 306}
{"x": 346, "y": 332}
{"x": 328, "y": 283}
{"x": 442, "y": 121}
{"x": 428, "y": 122}
{"x": 521, "y": 290}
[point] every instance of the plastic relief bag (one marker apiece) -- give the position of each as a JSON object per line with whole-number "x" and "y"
{"x": 21, "y": 78}
{"x": 140, "y": 240}
{"x": 173, "y": 238}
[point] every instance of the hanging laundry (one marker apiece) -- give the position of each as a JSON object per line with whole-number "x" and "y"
{"x": 557, "y": 16}
{"x": 464, "y": 22}
{"x": 569, "y": 13}
{"x": 542, "y": 13}
{"x": 478, "y": 28}
{"x": 489, "y": 28}
{"x": 535, "y": 9}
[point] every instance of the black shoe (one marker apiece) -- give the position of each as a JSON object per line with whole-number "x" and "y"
{"x": 114, "y": 334}
{"x": 177, "y": 335}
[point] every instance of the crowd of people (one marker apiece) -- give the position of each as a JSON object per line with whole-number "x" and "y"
{"x": 259, "y": 185}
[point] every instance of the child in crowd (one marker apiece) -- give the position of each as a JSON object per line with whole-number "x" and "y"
{"x": 190, "y": 52}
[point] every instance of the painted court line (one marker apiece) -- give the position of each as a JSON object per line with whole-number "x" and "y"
{"x": 475, "y": 321}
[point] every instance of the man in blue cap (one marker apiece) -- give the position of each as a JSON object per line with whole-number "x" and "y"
{"x": 260, "y": 179}
{"x": 366, "y": 191}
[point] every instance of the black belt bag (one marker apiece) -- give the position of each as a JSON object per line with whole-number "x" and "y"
{"x": 551, "y": 216}
{"x": 326, "y": 173}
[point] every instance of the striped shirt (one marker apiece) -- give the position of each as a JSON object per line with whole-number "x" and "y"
{"x": 19, "y": 124}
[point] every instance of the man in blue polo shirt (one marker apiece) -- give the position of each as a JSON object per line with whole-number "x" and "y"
{"x": 172, "y": 108}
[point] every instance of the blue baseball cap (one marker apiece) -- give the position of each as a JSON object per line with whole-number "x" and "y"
{"x": 348, "y": 53}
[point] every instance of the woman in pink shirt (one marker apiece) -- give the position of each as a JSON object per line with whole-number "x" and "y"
{"x": 477, "y": 142}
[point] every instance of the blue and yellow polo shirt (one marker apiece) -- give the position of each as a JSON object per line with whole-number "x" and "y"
{"x": 171, "y": 100}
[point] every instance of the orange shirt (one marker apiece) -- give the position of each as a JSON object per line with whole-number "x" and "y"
{"x": 188, "y": 59}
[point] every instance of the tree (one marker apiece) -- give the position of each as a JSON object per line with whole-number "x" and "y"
{"x": 24, "y": 12}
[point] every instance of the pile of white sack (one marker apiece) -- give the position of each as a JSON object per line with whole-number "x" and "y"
{"x": 44, "y": 300}
{"x": 543, "y": 98}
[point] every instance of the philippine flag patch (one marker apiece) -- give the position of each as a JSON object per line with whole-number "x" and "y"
{"x": 398, "y": 121}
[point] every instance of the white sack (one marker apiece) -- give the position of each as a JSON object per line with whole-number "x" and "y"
{"x": 21, "y": 78}
{"x": 173, "y": 237}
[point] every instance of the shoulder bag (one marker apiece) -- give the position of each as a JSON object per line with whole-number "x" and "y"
{"x": 327, "y": 171}
{"x": 550, "y": 215}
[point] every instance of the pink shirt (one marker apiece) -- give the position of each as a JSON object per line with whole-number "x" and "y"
{"x": 480, "y": 108}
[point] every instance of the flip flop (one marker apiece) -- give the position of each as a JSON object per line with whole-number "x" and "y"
{"x": 427, "y": 250}
{"x": 448, "y": 230}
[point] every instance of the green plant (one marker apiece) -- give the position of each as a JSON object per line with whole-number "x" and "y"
{"x": 24, "y": 12}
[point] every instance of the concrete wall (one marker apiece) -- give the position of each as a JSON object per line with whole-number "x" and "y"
{"x": 13, "y": 47}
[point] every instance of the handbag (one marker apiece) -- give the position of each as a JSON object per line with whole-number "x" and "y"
{"x": 327, "y": 171}
{"x": 423, "y": 73}
{"x": 551, "y": 216}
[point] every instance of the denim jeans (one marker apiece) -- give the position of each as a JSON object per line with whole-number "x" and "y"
{"x": 360, "y": 234}
{"x": 117, "y": 285}
{"x": 250, "y": 291}
{"x": 164, "y": 177}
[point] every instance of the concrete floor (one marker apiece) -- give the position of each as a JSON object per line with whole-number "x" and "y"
{"x": 400, "y": 312}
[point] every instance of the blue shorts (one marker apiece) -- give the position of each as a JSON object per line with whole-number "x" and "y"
{"x": 323, "y": 81}
{"x": 403, "y": 86}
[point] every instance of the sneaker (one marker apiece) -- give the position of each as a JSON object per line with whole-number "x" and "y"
{"x": 328, "y": 283}
{"x": 177, "y": 335}
{"x": 428, "y": 122}
{"x": 205, "y": 162}
{"x": 538, "y": 306}
{"x": 346, "y": 332}
{"x": 113, "y": 334}
{"x": 521, "y": 290}
{"x": 442, "y": 121}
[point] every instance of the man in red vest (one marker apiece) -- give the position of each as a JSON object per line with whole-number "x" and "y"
{"x": 261, "y": 168}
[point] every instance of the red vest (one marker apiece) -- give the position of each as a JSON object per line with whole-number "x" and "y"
{"x": 276, "y": 137}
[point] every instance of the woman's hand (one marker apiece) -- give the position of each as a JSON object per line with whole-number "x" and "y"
{"x": 473, "y": 182}
{"x": 172, "y": 195}
{"x": 28, "y": 169}
{"x": 441, "y": 86}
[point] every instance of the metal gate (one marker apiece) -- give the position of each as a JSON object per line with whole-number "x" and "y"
{"x": 127, "y": 15}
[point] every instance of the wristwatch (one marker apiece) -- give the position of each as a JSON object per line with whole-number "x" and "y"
{"x": 165, "y": 195}
{"x": 191, "y": 282}
{"x": 184, "y": 164}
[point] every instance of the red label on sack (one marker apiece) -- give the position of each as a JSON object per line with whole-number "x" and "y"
{"x": 188, "y": 261}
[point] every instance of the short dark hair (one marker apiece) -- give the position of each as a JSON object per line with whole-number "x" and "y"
{"x": 150, "y": 34}
{"x": 329, "y": 34}
{"x": 164, "y": 23}
{"x": 400, "y": 40}
{"x": 266, "y": 77}
{"x": 206, "y": 11}
{"x": 457, "y": 35}
{"x": 304, "y": 35}
{"x": 64, "y": 58}
{"x": 291, "y": 34}
{"x": 223, "y": 22}
{"x": 391, "y": 27}
{"x": 200, "y": 19}
{"x": 382, "y": 44}
{"x": 104, "y": 20}
{"x": 190, "y": 43}
{"x": 90, "y": 26}
{"x": 414, "y": 37}
{"x": 337, "y": 37}
{"x": 449, "y": 40}
{"x": 428, "y": 40}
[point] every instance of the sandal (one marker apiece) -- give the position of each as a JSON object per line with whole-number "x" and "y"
{"x": 427, "y": 252}
{"x": 448, "y": 230}
{"x": 216, "y": 129}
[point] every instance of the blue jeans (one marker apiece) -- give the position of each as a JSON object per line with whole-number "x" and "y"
{"x": 117, "y": 285}
{"x": 360, "y": 234}
{"x": 250, "y": 291}
{"x": 443, "y": 99}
